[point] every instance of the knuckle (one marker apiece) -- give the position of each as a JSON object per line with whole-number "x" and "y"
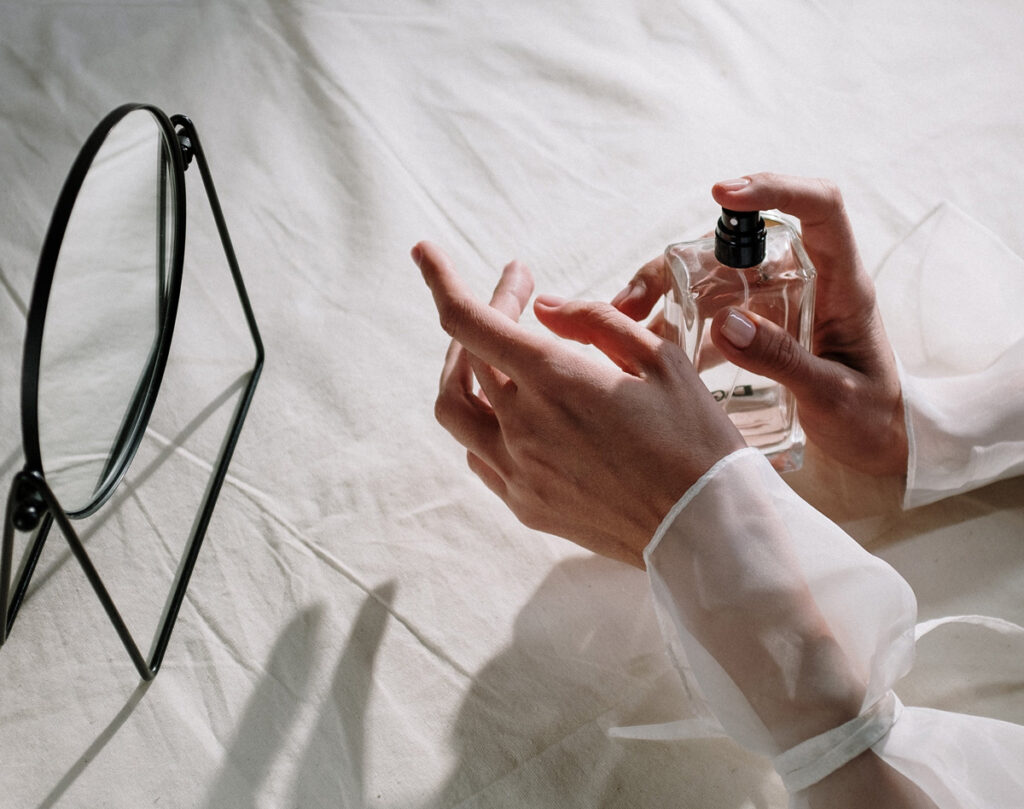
{"x": 525, "y": 510}
{"x": 783, "y": 355}
{"x": 770, "y": 178}
{"x": 598, "y": 315}
{"x": 585, "y": 317}
{"x": 527, "y": 516}
{"x": 452, "y": 315}
{"x": 772, "y": 181}
{"x": 442, "y": 409}
{"x": 508, "y": 302}
{"x": 831, "y": 199}
{"x": 777, "y": 187}
{"x": 838, "y": 395}
{"x": 843, "y": 390}
{"x": 445, "y": 408}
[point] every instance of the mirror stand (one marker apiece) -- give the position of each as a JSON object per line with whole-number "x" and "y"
{"x": 32, "y": 505}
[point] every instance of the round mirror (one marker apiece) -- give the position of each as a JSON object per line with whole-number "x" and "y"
{"x": 103, "y": 307}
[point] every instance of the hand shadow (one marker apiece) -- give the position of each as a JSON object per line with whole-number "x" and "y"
{"x": 587, "y": 656}
{"x": 330, "y": 771}
{"x": 268, "y": 716}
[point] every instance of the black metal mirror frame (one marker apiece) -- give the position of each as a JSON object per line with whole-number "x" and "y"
{"x": 31, "y": 503}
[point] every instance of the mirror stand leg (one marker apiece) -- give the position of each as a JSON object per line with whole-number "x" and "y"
{"x": 6, "y": 563}
{"x": 78, "y": 549}
{"x": 16, "y": 505}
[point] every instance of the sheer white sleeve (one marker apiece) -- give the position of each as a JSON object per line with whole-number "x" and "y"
{"x": 794, "y": 636}
{"x": 950, "y": 297}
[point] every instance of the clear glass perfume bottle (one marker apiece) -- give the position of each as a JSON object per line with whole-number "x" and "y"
{"x": 757, "y": 263}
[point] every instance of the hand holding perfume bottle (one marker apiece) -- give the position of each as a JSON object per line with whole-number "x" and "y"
{"x": 845, "y": 382}
{"x": 792, "y": 635}
{"x": 573, "y": 446}
{"x": 755, "y": 263}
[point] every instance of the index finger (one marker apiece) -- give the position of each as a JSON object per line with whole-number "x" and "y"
{"x": 483, "y": 330}
{"x": 818, "y": 204}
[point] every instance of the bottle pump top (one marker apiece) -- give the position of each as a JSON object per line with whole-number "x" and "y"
{"x": 739, "y": 238}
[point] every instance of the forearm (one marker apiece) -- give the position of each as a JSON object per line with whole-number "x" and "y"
{"x": 823, "y": 695}
{"x": 784, "y": 621}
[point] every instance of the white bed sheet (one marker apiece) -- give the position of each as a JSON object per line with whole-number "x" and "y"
{"x": 366, "y": 625}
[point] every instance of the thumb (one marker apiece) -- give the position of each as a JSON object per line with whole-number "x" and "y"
{"x": 628, "y": 344}
{"x": 762, "y": 347}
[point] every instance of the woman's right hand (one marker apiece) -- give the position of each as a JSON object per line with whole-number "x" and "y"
{"x": 847, "y": 388}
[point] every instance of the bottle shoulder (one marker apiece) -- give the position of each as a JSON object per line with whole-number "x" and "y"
{"x": 693, "y": 262}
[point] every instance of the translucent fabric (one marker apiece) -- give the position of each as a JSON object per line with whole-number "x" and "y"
{"x": 950, "y": 297}
{"x": 958, "y": 440}
{"x": 789, "y": 635}
{"x": 793, "y": 636}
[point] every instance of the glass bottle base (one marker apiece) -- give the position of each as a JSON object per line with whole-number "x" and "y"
{"x": 786, "y": 459}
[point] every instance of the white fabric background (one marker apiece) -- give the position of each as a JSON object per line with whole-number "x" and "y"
{"x": 366, "y": 625}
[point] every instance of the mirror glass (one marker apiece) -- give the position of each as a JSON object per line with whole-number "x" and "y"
{"x": 104, "y": 313}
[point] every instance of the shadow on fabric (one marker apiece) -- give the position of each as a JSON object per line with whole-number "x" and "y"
{"x": 330, "y": 770}
{"x": 269, "y": 714}
{"x": 94, "y": 749}
{"x": 586, "y": 656}
{"x": 130, "y": 488}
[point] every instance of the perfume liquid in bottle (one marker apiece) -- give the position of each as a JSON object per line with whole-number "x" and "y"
{"x": 757, "y": 263}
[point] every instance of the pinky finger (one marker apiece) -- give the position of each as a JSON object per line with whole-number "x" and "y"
{"x": 492, "y": 480}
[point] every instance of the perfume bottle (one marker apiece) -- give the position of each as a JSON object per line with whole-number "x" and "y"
{"x": 754, "y": 262}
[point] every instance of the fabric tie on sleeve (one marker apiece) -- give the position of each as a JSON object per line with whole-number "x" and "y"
{"x": 745, "y": 576}
{"x": 812, "y": 760}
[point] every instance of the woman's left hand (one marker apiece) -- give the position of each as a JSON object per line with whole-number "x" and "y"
{"x": 574, "y": 447}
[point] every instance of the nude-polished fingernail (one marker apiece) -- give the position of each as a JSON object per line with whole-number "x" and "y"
{"x": 734, "y": 185}
{"x": 738, "y": 330}
{"x": 417, "y": 253}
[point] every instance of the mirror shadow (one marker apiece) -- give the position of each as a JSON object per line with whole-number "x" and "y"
{"x": 94, "y": 749}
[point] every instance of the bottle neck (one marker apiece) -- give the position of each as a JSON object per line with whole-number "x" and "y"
{"x": 740, "y": 238}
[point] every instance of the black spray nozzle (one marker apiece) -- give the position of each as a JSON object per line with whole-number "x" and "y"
{"x": 739, "y": 238}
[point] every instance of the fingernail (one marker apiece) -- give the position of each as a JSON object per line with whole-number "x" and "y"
{"x": 738, "y": 329}
{"x": 550, "y": 301}
{"x": 633, "y": 291}
{"x": 734, "y": 185}
{"x": 417, "y": 253}
{"x": 621, "y": 295}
